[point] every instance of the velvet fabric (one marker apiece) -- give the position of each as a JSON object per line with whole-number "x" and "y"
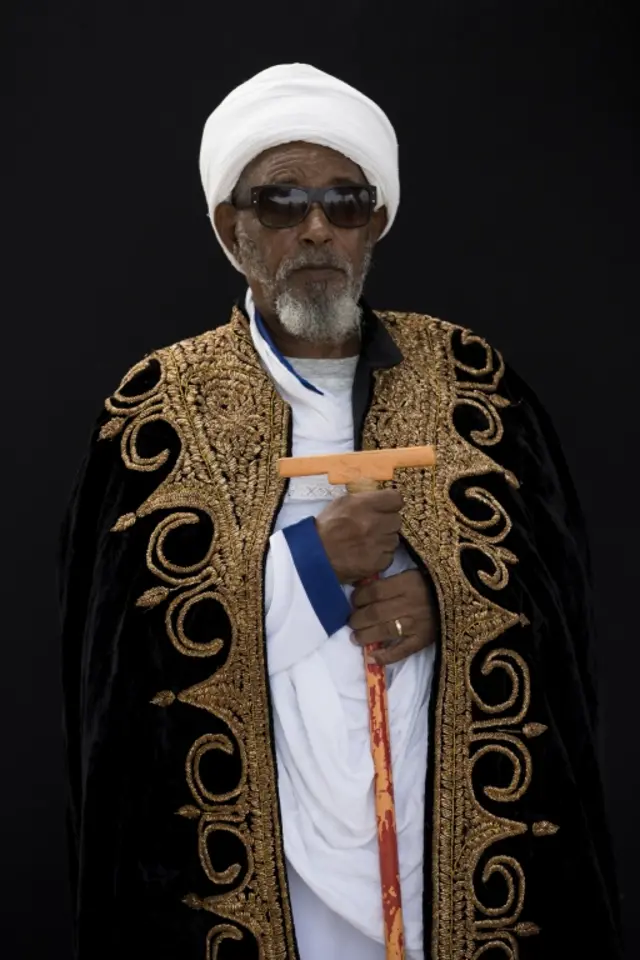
{"x": 133, "y": 860}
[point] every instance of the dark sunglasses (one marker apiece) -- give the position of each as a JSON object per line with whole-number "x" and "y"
{"x": 279, "y": 206}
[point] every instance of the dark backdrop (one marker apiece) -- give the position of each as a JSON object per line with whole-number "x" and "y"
{"x": 519, "y": 219}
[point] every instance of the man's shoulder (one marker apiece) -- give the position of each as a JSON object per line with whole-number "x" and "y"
{"x": 210, "y": 341}
{"x": 210, "y": 346}
{"x": 408, "y": 326}
{"x": 412, "y": 320}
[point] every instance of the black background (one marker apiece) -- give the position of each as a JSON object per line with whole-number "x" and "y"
{"x": 519, "y": 138}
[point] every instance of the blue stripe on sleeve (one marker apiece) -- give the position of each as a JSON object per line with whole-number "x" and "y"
{"x": 317, "y": 575}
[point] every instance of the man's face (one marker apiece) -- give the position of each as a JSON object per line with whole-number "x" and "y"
{"x": 309, "y": 276}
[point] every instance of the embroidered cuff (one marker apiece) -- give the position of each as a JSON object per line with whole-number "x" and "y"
{"x": 318, "y": 577}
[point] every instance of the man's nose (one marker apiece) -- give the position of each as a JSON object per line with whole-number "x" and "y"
{"x": 315, "y": 228}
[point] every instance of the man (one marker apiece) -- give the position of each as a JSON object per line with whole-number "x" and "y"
{"x": 216, "y": 713}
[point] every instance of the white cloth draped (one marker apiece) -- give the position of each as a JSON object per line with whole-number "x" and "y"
{"x": 325, "y": 768}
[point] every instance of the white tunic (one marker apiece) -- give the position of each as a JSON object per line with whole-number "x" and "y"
{"x": 318, "y": 687}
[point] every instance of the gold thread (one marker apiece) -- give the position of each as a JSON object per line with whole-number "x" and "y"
{"x": 112, "y": 428}
{"x": 511, "y": 747}
{"x": 415, "y": 403}
{"x": 202, "y": 746}
{"x": 507, "y": 944}
{"x": 208, "y": 827}
{"x": 123, "y": 523}
{"x": 216, "y": 935}
{"x": 164, "y": 698}
{"x": 152, "y": 597}
{"x": 543, "y": 828}
{"x": 232, "y": 427}
{"x": 508, "y": 912}
{"x": 516, "y": 669}
{"x": 532, "y": 730}
{"x": 193, "y": 902}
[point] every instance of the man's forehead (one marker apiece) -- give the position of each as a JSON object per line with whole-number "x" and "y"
{"x": 299, "y": 156}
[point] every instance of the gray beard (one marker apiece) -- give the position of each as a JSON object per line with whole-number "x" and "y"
{"x": 320, "y": 314}
{"x": 323, "y": 316}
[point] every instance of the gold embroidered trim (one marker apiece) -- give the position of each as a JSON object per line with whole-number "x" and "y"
{"x": 153, "y": 597}
{"x": 164, "y": 698}
{"x": 415, "y": 403}
{"x": 543, "y": 828}
{"x": 123, "y": 523}
{"x": 223, "y": 931}
{"x": 532, "y": 730}
{"x": 232, "y": 427}
{"x": 527, "y": 929}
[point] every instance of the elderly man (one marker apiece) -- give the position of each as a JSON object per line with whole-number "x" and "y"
{"x": 221, "y": 778}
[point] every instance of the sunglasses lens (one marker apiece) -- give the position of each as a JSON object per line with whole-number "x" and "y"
{"x": 348, "y": 206}
{"x": 280, "y": 207}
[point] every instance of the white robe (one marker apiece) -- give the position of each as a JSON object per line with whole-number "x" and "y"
{"x": 318, "y": 687}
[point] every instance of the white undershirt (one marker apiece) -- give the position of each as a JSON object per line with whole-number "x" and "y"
{"x": 321, "y": 720}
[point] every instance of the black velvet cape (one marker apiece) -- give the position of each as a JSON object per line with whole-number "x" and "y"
{"x": 134, "y": 864}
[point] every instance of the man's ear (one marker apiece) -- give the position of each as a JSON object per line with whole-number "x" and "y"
{"x": 378, "y": 223}
{"x": 224, "y": 218}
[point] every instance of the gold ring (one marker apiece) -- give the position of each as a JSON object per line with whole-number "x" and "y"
{"x": 399, "y": 630}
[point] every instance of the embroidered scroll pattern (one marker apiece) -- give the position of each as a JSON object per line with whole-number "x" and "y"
{"x": 231, "y": 427}
{"x": 416, "y": 403}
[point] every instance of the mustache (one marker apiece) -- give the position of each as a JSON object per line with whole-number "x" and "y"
{"x": 325, "y": 259}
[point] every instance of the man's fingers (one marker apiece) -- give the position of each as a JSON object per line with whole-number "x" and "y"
{"x": 396, "y": 651}
{"x": 383, "y": 501}
{"x": 380, "y": 614}
{"x": 389, "y": 523}
{"x": 382, "y": 632}
{"x": 384, "y": 589}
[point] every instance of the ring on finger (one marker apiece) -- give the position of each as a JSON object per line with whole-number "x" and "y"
{"x": 393, "y": 641}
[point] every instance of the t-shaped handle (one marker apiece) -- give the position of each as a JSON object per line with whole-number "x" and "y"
{"x": 373, "y": 465}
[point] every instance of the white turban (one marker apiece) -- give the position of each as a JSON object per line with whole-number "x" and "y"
{"x": 290, "y": 102}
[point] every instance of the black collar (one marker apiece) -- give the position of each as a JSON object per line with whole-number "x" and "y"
{"x": 379, "y": 349}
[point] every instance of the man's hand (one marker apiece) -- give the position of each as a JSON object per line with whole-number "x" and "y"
{"x": 406, "y": 597}
{"x": 359, "y": 533}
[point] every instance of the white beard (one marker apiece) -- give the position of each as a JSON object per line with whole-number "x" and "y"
{"x": 325, "y": 317}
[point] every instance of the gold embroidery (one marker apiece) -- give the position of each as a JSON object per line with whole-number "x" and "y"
{"x": 164, "y": 698}
{"x": 152, "y": 597}
{"x": 217, "y": 934}
{"x": 212, "y": 741}
{"x": 123, "y": 523}
{"x": 531, "y": 730}
{"x": 417, "y": 402}
{"x": 111, "y": 428}
{"x": 232, "y": 427}
{"x": 543, "y": 828}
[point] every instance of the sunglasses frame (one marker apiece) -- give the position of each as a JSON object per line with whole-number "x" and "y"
{"x": 314, "y": 195}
